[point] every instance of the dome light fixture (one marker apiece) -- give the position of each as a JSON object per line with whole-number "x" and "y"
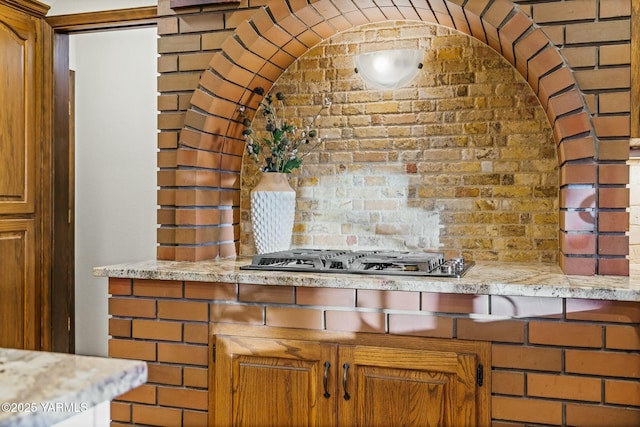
{"x": 389, "y": 69}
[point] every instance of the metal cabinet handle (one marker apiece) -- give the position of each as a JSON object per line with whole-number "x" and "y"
{"x": 325, "y": 379}
{"x": 344, "y": 381}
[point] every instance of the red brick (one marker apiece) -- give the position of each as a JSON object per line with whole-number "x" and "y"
{"x": 529, "y": 358}
{"x": 455, "y": 303}
{"x": 210, "y": 291}
{"x": 353, "y": 321}
{"x": 527, "y": 410}
{"x": 183, "y": 310}
{"x": 622, "y": 392}
{"x": 564, "y": 387}
{"x": 126, "y": 349}
{"x": 601, "y": 416}
{"x": 602, "y": 363}
{"x": 565, "y": 334}
{"x": 157, "y": 288}
{"x": 515, "y": 306}
{"x": 231, "y": 313}
{"x": 143, "y": 394}
{"x": 164, "y": 374}
{"x": 490, "y": 330}
{"x": 196, "y": 377}
{"x": 266, "y": 294}
{"x": 183, "y": 353}
{"x": 294, "y": 317}
{"x": 507, "y": 382}
{"x": 118, "y": 286}
{"x": 197, "y": 333}
{"x": 421, "y": 325}
{"x": 120, "y": 327}
{"x": 326, "y": 297}
{"x": 603, "y": 311}
{"x": 132, "y": 307}
{"x": 121, "y": 411}
{"x": 157, "y": 330}
{"x": 183, "y": 398}
{"x": 157, "y": 416}
{"x": 394, "y": 300}
{"x": 622, "y": 337}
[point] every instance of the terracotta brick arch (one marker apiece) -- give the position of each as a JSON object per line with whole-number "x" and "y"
{"x": 207, "y": 179}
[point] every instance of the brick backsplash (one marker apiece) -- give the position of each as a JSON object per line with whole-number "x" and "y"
{"x": 553, "y": 360}
{"x": 477, "y": 141}
{"x": 573, "y": 55}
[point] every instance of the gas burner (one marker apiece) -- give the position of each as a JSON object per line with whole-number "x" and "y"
{"x": 399, "y": 263}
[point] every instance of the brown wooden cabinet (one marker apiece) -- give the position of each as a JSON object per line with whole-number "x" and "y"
{"x": 24, "y": 194}
{"x": 264, "y": 376}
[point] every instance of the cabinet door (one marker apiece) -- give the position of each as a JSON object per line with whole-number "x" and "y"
{"x": 19, "y": 110}
{"x": 406, "y": 387}
{"x": 273, "y": 382}
{"x": 17, "y": 290}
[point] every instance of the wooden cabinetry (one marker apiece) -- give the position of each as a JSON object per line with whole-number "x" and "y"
{"x": 24, "y": 153}
{"x": 275, "y": 377}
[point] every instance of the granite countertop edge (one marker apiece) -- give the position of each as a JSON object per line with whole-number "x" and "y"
{"x": 57, "y": 386}
{"x": 484, "y": 278}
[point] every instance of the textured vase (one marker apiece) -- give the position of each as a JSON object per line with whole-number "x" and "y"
{"x": 273, "y": 207}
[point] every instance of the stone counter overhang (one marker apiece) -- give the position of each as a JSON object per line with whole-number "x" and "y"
{"x": 484, "y": 278}
{"x": 39, "y": 388}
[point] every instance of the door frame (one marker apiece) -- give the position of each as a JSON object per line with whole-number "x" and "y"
{"x": 62, "y": 292}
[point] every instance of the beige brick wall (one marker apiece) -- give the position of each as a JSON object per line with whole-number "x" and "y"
{"x": 461, "y": 160}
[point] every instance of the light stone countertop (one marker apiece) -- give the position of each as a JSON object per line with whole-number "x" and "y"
{"x": 484, "y": 278}
{"x": 40, "y": 388}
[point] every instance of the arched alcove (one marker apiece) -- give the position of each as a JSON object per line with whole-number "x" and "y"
{"x": 206, "y": 181}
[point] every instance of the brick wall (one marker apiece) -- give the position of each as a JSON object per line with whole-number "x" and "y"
{"x": 576, "y": 62}
{"x": 634, "y": 223}
{"x": 462, "y": 160}
{"x": 554, "y": 361}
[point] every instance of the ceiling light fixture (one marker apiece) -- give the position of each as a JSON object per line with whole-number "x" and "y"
{"x": 389, "y": 69}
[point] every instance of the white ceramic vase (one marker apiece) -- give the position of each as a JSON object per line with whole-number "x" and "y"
{"x": 273, "y": 206}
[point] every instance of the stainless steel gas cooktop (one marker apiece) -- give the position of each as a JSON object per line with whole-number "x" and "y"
{"x": 398, "y": 263}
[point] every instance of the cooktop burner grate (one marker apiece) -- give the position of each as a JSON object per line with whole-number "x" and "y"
{"x": 401, "y": 263}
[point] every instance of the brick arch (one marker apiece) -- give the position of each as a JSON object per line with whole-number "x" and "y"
{"x": 209, "y": 158}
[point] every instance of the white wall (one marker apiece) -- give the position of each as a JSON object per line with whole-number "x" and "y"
{"x": 116, "y": 140}
{"x": 64, "y": 7}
